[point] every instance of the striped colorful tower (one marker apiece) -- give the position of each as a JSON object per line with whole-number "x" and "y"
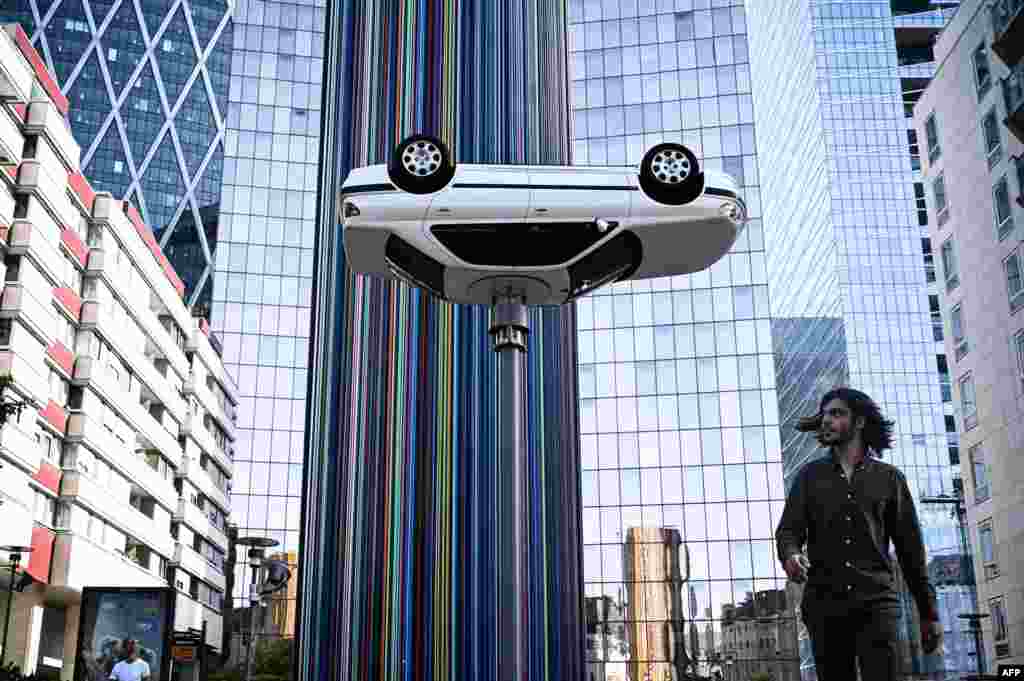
{"x": 399, "y": 522}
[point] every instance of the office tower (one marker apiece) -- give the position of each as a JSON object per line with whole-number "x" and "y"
{"x": 115, "y": 468}
{"x": 970, "y": 125}
{"x": 264, "y": 264}
{"x": 400, "y": 524}
{"x": 844, "y": 243}
{"x": 148, "y": 83}
{"x": 678, "y": 409}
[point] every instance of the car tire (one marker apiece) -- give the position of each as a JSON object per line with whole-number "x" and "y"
{"x": 421, "y": 164}
{"x": 670, "y": 174}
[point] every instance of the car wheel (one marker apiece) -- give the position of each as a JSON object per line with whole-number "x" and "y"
{"x": 670, "y": 174}
{"x": 421, "y": 164}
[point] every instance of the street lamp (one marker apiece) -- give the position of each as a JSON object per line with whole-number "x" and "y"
{"x": 15, "y": 557}
{"x": 256, "y": 547}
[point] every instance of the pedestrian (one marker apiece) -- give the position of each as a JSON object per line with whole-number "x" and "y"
{"x": 132, "y": 668}
{"x": 846, "y": 507}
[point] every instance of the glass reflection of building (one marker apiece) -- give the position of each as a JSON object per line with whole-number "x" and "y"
{"x": 148, "y": 85}
{"x": 844, "y": 246}
{"x": 264, "y": 263}
{"x": 678, "y": 409}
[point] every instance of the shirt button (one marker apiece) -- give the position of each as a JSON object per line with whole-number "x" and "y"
{"x": 848, "y": 564}
{"x": 849, "y": 587}
{"x": 850, "y": 495}
{"x": 848, "y": 540}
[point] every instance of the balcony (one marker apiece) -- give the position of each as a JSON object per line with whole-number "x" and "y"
{"x": 16, "y": 501}
{"x": 1008, "y": 30}
{"x": 22, "y": 302}
{"x": 195, "y": 474}
{"x": 24, "y": 362}
{"x": 79, "y": 562}
{"x": 196, "y": 519}
{"x": 11, "y": 140}
{"x": 40, "y": 244}
{"x": 80, "y": 486}
{"x": 48, "y": 181}
{"x": 21, "y": 447}
{"x": 16, "y": 75}
{"x": 1013, "y": 95}
{"x": 82, "y": 428}
{"x": 109, "y": 211}
{"x": 45, "y": 120}
{"x": 193, "y": 427}
{"x": 187, "y": 559}
{"x": 189, "y": 614}
{"x": 197, "y": 387}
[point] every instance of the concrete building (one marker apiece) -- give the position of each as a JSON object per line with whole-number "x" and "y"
{"x": 148, "y": 85}
{"x": 759, "y": 635}
{"x": 117, "y": 469}
{"x": 970, "y": 126}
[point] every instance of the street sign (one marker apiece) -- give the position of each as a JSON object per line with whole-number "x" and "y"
{"x": 182, "y": 653}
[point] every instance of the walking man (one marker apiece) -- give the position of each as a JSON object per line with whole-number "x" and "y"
{"x": 846, "y": 507}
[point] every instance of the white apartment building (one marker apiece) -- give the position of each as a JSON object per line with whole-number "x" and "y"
{"x": 970, "y": 124}
{"x": 117, "y": 470}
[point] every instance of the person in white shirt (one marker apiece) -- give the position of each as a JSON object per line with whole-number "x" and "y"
{"x": 133, "y": 668}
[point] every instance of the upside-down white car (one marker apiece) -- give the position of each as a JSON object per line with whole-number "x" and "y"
{"x": 469, "y": 232}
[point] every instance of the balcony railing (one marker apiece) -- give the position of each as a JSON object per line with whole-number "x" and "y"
{"x": 1013, "y": 95}
{"x": 1008, "y": 30}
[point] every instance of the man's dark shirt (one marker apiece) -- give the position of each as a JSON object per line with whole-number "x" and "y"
{"x": 847, "y": 527}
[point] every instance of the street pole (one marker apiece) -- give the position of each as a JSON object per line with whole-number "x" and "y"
{"x": 255, "y": 558}
{"x": 15, "y": 558}
{"x": 202, "y": 654}
{"x": 509, "y": 330}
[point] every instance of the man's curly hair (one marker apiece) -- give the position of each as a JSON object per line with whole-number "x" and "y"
{"x": 877, "y": 429}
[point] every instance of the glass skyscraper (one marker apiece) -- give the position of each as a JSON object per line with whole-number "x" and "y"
{"x": 148, "y": 84}
{"x": 261, "y": 291}
{"x": 844, "y": 249}
{"x": 681, "y": 455}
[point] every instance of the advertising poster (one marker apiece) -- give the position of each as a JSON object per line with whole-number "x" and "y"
{"x": 116, "y": 620}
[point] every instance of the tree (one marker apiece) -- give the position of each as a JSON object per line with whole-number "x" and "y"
{"x": 8, "y": 407}
{"x": 272, "y": 662}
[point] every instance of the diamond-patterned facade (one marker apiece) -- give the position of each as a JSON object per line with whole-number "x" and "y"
{"x": 126, "y": 64}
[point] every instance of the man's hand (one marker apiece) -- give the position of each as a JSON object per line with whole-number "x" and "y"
{"x": 931, "y": 636}
{"x": 796, "y": 567}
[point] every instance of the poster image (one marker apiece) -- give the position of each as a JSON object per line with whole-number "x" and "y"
{"x": 111, "y": 619}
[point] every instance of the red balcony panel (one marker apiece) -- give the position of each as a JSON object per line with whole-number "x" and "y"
{"x": 154, "y": 247}
{"x": 48, "y": 476}
{"x": 74, "y": 244}
{"x": 82, "y": 190}
{"x": 71, "y": 301}
{"x": 42, "y": 554}
{"x": 13, "y": 171}
{"x": 64, "y": 358}
{"x": 45, "y": 79}
{"x": 21, "y": 108}
{"x": 4, "y": 231}
{"x": 204, "y": 326}
{"x": 55, "y": 415}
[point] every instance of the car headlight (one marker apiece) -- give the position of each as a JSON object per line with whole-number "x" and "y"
{"x": 731, "y": 210}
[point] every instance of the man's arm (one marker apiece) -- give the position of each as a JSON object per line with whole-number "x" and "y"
{"x": 905, "y": 530}
{"x": 791, "y": 533}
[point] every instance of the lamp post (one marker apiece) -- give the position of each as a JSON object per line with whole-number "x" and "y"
{"x": 256, "y": 548}
{"x": 15, "y": 557}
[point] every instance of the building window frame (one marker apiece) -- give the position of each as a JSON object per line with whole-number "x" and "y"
{"x": 941, "y": 199}
{"x": 997, "y": 609}
{"x": 1002, "y": 214}
{"x": 968, "y": 401}
{"x": 1018, "y": 349}
{"x": 982, "y": 69}
{"x": 987, "y": 548}
{"x": 1014, "y": 280}
{"x": 992, "y": 138}
{"x": 931, "y": 133}
{"x": 958, "y": 331}
{"x": 950, "y": 269}
{"x": 980, "y": 478}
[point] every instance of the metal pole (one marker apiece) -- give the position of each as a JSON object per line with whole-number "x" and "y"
{"x": 202, "y": 655}
{"x": 254, "y": 602}
{"x": 509, "y": 329}
{"x": 15, "y": 558}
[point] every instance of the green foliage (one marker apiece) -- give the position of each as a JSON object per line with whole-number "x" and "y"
{"x": 761, "y": 676}
{"x": 272, "y": 663}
